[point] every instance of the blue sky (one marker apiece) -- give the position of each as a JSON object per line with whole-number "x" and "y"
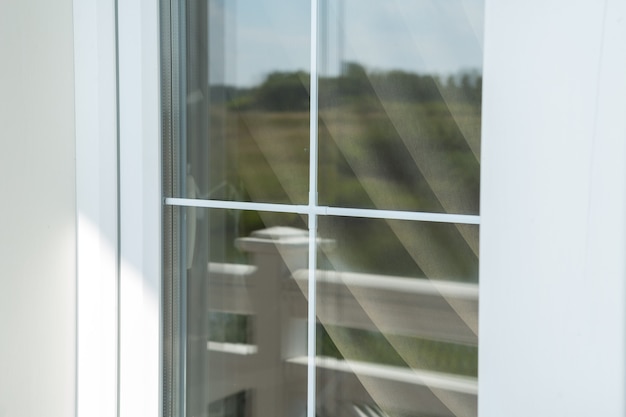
{"x": 435, "y": 36}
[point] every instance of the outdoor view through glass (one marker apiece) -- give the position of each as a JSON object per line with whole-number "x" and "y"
{"x": 398, "y": 131}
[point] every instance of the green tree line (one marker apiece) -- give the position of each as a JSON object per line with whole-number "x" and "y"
{"x": 289, "y": 91}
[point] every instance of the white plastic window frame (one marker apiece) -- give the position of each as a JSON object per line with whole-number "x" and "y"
{"x": 553, "y": 224}
{"x": 95, "y": 72}
{"x": 118, "y": 202}
{"x": 552, "y": 313}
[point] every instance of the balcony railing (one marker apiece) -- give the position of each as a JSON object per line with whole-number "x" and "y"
{"x": 272, "y": 290}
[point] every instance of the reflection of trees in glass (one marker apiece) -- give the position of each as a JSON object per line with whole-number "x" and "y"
{"x": 231, "y": 406}
{"x": 390, "y": 117}
{"x": 388, "y": 140}
{"x": 288, "y": 91}
{"x": 229, "y": 327}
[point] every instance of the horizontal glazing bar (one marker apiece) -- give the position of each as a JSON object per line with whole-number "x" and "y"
{"x": 238, "y": 205}
{"x": 327, "y": 211}
{"x": 401, "y": 215}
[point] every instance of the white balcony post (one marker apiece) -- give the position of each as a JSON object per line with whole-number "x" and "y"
{"x": 277, "y": 253}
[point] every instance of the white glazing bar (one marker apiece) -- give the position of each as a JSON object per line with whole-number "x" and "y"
{"x": 312, "y": 290}
{"x": 238, "y": 205}
{"x": 312, "y": 210}
{"x": 312, "y": 318}
{"x": 313, "y": 116}
{"x": 401, "y": 215}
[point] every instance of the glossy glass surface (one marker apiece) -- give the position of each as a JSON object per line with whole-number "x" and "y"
{"x": 435, "y": 251}
{"x": 399, "y": 129}
{"x": 400, "y": 104}
{"x": 243, "y": 315}
{"x": 245, "y": 104}
{"x": 397, "y": 304}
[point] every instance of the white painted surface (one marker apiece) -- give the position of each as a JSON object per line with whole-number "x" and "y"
{"x": 326, "y": 211}
{"x": 37, "y": 218}
{"x": 140, "y": 208}
{"x": 96, "y": 205}
{"x": 552, "y": 271}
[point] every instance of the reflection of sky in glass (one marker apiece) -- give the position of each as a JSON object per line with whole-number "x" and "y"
{"x": 424, "y": 36}
{"x": 270, "y": 35}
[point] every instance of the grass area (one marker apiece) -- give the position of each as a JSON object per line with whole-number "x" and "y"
{"x": 402, "y": 351}
{"x": 415, "y": 156}
{"x": 396, "y": 155}
{"x": 374, "y": 152}
{"x": 363, "y": 345}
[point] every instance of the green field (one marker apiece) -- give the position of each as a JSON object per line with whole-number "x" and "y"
{"x": 392, "y": 141}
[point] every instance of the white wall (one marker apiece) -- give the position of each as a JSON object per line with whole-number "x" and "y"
{"x": 37, "y": 217}
{"x": 553, "y": 209}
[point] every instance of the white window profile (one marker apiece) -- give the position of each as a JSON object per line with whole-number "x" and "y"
{"x": 552, "y": 295}
{"x": 552, "y": 210}
{"x": 119, "y": 192}
{"x": 96, "y": 207}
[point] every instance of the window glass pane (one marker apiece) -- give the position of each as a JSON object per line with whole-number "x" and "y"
{"x": 244, "y": 316}
{"x": 399, "y": 129}
{"x": 400, "y": 104}
{"x": 435, "y": 251}
{"x": 245, "y": 101}
{"x": 397, "y": 304}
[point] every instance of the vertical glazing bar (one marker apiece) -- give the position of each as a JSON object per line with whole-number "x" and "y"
{"x": 314, "y": 106}
{"x": 312, "y": 337}
{"x": 311, "y": 322}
